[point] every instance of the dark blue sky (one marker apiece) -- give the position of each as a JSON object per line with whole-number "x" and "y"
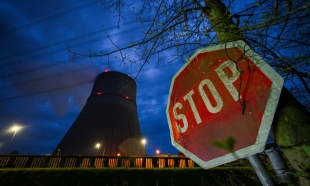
{"x": 42, "y": 91}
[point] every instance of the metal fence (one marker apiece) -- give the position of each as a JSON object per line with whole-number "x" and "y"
{"x": 37, "y": 161}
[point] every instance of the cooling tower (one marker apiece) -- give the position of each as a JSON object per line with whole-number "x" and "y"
{"x": 109, "y": 118}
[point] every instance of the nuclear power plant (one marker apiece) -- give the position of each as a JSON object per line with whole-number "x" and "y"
{"x": 108, "y": 124}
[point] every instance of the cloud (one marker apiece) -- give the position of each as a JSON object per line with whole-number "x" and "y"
{"x": 41, "y": 90}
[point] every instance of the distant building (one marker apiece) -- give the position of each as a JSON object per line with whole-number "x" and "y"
{"x": 108, "y": 124}
{"x": 166, "y": 155}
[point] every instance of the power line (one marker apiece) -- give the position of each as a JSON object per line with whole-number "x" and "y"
{"x": 48, "y": 18}
{"x": 50, "y": 65}
{"x": 59, "y": 50}
{"x": 62, "y": 73}
{"x": 62, "y": 87}
{"x": 48, "y": 12}
{"x": 64, "y": 42}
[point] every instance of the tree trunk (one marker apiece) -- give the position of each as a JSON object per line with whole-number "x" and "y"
{"x": 291, "y": 124}
{"x": 291, "y": 127}
{"x": 221, "y": 20}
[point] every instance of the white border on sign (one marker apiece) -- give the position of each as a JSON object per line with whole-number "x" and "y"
{"x": 270, "y": 109}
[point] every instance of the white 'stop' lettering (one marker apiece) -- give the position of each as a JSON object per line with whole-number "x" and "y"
{"x": 227, "y": 81}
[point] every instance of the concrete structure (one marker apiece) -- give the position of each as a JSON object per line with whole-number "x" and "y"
{"x": 108, "y": 124}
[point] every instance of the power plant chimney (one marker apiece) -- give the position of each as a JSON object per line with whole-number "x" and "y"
{"x": 108, "y": 124}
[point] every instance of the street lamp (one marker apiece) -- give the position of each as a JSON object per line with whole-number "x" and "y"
{"x": 143, "y": 141}
{"x": 14, "y": 129}
{"x": 157, "y": 152}
{"x": 97, "y": 146}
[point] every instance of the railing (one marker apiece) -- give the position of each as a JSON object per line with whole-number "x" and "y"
{"x": 37, "y": 161}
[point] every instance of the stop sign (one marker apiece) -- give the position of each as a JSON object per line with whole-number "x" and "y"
{"x": 222, "y": 91}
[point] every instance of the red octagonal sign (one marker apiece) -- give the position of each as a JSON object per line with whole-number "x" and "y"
{"x": 222, "y": 91}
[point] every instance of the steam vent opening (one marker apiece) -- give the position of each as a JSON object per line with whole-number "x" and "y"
{"x": 108, "y": 124}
